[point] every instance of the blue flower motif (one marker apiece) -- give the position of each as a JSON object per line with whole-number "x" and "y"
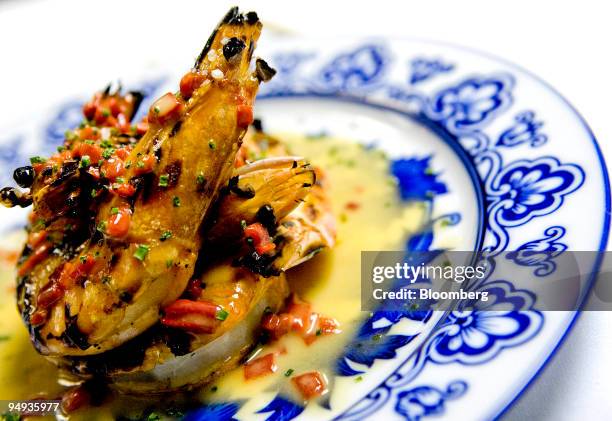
{"x": 541, "y": 253}
{"x": 526, "y": 189}
{"x": 473, "y": 102}
{"x": 423, "y": 69}
{"x": 424, "y": 401}
{"x": 525, "y": 130}
{"x": 214, "y": 412}
{"x": 472, "y": 337}
{"x": 357, "y": 69}
{"x": 69, "y": 116}
{"x": 416, "y": 180}
{"x": 281, "y": 409}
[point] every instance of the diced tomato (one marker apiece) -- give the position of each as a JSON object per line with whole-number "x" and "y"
{"x": 112, "y": 168}
{"x": 299, "y": 318}
{"x": 88, "y": 132}
{"x": 119, "y": 223}
{"x": 38, "y": 317}
{"x": 142, "y": 127}
{"x": 49, "y": 294}
{"x": 144, "y": 165}
{"x": 35, "y": 238}
{"x": 37, "y": 256}
{"x": 328, "y": 325}
{"x": 165, "y": 108}
{"x": 260, "y": 367}
{"x": 73, "y": 271}
{"x": 352, "y": 206}
{"x": 193, "y": 316}
{"x": 75, "y": 398}
{"x": 123, "y": 153}
{"x": 89, "y": 110}
{"x": 194, "y": 288}
{"x": 124, "y": 190}
{"x": 261, "y": 239}
{"x": 244, "y": 115}
{"x": 190, "y": 82}
{"x": 113, "y": 106}
{"x": 81, "y": 149}
{"x": 310, "y": 384}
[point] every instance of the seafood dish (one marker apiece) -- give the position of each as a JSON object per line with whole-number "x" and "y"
{"x": 170, "y": 254}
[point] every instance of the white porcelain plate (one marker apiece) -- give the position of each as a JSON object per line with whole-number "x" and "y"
{"x": 515, "y": 166}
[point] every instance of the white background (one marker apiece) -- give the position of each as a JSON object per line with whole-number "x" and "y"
{"x": 51, "y": 49}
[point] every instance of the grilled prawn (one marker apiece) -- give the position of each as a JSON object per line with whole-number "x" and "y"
{"x": 143, "y": 232}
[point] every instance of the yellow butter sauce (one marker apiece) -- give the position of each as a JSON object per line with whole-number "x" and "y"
{"x": 369, "y": 217}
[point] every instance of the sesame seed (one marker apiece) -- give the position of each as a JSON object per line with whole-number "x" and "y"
{"x": 217, "y": 74}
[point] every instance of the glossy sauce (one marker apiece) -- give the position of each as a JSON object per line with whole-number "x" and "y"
{"x": 369, "y": 216}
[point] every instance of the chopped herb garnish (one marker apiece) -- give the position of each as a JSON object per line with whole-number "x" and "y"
{"x": 200, "y": 178}
{"x": 221, "y": 314}
{"x": 289, "y": 372}
{"x": 153, "y": 416}
{"x": 212, "y": 144}
{"x": 128, "y": 164}
{"x": 120, "y": 180}
{"x": 83, "y": 259}
{"x": 243, "y": 224}
{"x": 156, "y": 110}
{"x": 108, "y": 152}
{"x": 140, "y": 164}
{"x": 85, "y": 161}
{"x": 319, "y": 332}
{"x": 114, "y": 211}
{"x": 169, "y": 263}
{"x": 4, "y": 338}
{"x": 102, "y": 226}
{"x": 141, "y": 252}
{"x": 106, "y": 112}
{"x": 165, "y": 235}
{"x": 163, "y": 180}
{"x": 176, "y": 201}
{"x": 89, "y": 142}
{"x": 61, "y": 149}
{"x": 106, "y": 144}
{"x": 377, "y": 337}
{"x": 358, "y": 378}
{"x": 37, "y": 160}
{"x": 94, "y": 193}
{"x": 106, "y": 279}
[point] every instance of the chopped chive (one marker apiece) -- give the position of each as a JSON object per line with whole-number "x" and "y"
{"x": 106, "y": 112}
{"x": 140, "y": 164}
{"x": 169, "y": 263}
{"x": 94, "y": 193}
{"x": 200, "y": 178}
{"x": 102, "y": 226}
{"x": 106, "y": 144}
{"x": 141, "y": 252}
{"x": 318, "y": 332}
{"x": 128, "y": 164}
{"x": 89, "y": 142}
{"x": 37, "y": 160}
{"x": 85, "y": 161}
{"x": 221, "y": 314}
{"x": 243, "y": 224}
{"x": 156, "y": 110}
{"x": 61, "y": 149}
{"x": 114, "y": 211}
{"x": 212, "y": 144}
{"x": 165, "y": 235}
{"x": 176, "y": 201}
{"x": 83, "y": 259}
{"x": 289, "y": 372}
{"x": 163, "y": 180}
{"x": 108, "y": 152}
{"x": 358, "y": 378}
{"x": 4, "y": 338}
{"x": 120, "y": 180}
{"x": 377, "y": 337}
